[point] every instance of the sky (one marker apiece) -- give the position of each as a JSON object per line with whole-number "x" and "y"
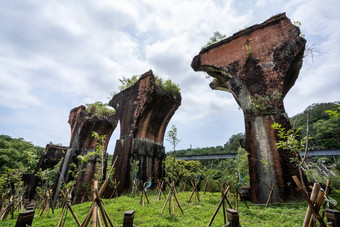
{"x": 59, "y": 54}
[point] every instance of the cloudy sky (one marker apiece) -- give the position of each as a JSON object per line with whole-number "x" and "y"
{"x": 57, "y": 55}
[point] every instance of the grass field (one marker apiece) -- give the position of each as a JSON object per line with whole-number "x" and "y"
{"x": 195, "y": 214}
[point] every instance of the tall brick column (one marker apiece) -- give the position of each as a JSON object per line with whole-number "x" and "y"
{"x": 144, "y": 111}
{"x": 82, "y": 125}
{"x": 258, "y": 66}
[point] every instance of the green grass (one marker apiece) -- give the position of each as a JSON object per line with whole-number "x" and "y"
{"x": 195, "y": 214}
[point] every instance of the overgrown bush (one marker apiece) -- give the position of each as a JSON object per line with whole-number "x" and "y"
{"x": 167, "y": 85}
{"x": 170, "y": 87}
{"x": 127, "y": 82}
{"x": 100, "y": 109}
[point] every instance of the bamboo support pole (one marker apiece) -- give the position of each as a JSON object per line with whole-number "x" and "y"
{"x": 315, "y": 191}
{"x": 277, "y": 196}
{"x": 94, "y": 211}
{"x": 219, "y": 206}
{"x": 173, "y": 196}
{"x": 326, "y": 195}
{"x": 270, "y": 194}
{"x": 62, "y": 215}
{"x": 236, "y": 198}
{"x": 318, "y": 203}
{"x": 310, "y": 203}
{"x": 223, "y": 204}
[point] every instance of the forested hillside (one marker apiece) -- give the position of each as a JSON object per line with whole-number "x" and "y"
{"x": 18, "y": 154}
{"x": 324, "y": 130}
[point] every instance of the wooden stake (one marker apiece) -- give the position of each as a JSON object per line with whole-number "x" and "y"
{"x": 223, "y": 204}
{"x": 236, "y": 197}
{"x": 67, "y": 205}
{"x": 315, "y": 192}
{"x": 94, "y": 211}
{"x": 318, "y": 203}
{"x": 241, "y": 197}
{"x": 144, "y": 195}
{"x": 194, "y": 190}
{"x": 97, "y": 203}
{"x": 172, "y": 195}
{"x": 310, "y": 203}
{"x": 270, "y": 194}
{"x": 160, "y": 189}
{"x": 219, "y": 206}
{"x": 205, "y": 186}
{"x": 277, "y": 196}
{"x": 326, "y": 194}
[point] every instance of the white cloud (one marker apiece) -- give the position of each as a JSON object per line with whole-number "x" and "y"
{"x": 61, "y": 54}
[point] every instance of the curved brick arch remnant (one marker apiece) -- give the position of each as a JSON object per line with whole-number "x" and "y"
{"x": 258, "y": 66}
{"x": 144, "y": 111}
{"x": 82, "y": 125}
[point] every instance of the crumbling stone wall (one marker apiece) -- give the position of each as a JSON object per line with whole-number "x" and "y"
{"x": 82, "y": 125}
{"x": 258, "y": 66}
{"x": 144, "y": 111}
{"x": 51, "y": 157}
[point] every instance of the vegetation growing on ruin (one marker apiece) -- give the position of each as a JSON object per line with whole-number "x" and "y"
{"x": 100, "y": 109}
{"x": 260, "y": 104}
{"x": 127, "y": 82}
{"x": 167, "y": 85}
{"x": 214, "y": 39}
{"x": 248, "y": 47}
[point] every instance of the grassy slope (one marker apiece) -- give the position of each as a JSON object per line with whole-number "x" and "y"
{"x": 195, "y": 214}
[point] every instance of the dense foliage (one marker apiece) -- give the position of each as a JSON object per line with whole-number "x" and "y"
{"x": 100, "y": 109}
{"x": 324, "y": 130}
{"x": 168, "y": 86}
{"x": 17, "y": 153}
{"x": 180, "y": 170}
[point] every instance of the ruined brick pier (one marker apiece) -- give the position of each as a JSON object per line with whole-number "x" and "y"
{"x": 81, "y": 142}
{"x": 51, "y": 157}
{"x": 258, "y": 66}
{"x": 144, "y": 111}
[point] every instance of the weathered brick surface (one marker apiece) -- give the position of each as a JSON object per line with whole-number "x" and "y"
{"x": 51, "y": 157}
{"x": 144, "y": 111}
{"x": 254, "y": 64}
{"x": 82, "y": 125}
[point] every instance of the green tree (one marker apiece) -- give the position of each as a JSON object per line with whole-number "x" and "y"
{"x": 176, "y": 170}
{"x": 171, "y": 137}
{"x": 327, "y": 133}
{"x": 233, "y": 143}
{"x": 334, "y": 113}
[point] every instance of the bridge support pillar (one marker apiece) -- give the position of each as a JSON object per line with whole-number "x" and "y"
{"x": 258, "y": 66}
